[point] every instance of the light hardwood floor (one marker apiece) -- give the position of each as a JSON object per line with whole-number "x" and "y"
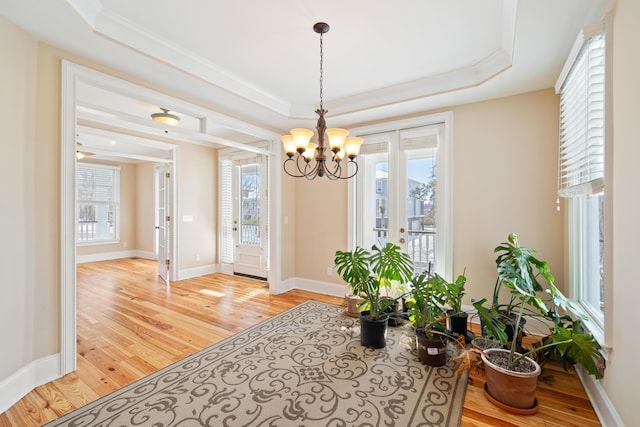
{"x": 130, "y": 325}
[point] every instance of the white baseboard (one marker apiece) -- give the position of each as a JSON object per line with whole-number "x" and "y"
{"x": 327, "y": 288}
{"x": 35, "y": 374}
{"x": 285, "y": 286}
{"x": 106, "y": 256}
{"x": 188, "y": 273}
{"x": 600, "y": 401}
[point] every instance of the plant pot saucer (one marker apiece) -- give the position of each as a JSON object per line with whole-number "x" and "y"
{"x": 513, "y": 410}
{"x": 350, "y": 314}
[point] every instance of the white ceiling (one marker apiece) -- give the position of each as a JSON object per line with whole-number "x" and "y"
{"x": 258, "y": 61}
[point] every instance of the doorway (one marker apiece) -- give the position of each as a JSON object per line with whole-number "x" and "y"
{"x": 244, "y": 214}
{"x": 402, "y": 192}
{"x": 114, "y": 105}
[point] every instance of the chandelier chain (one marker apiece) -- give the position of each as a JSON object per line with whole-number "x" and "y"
{"x": 321, "y": 72}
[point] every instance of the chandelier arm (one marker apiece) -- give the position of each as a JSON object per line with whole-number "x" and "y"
{"x": 310, "y": 172}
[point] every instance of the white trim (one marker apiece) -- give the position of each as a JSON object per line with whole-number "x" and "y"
{"x": 585, "y": 33}
{"x": 202, "y": 270}
{"x": 68, "y": 220}
{"x": 36, "y": 373}
{"x": 284, "y": 286}
{"x": 119, "y": 29}
{"x": 600, "y": 401}
{"x": 609, "y": 259}
{"x": 325, "y": 288}
{"x": 106, "y": 256}
{"x": 275, "y": 214}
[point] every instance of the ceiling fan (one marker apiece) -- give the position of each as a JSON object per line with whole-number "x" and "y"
{"x": 81, "y": 154}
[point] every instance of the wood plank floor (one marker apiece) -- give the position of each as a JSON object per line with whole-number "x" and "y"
{"x": 130, "y": 325}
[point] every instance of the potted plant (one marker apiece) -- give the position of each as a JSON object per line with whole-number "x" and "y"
{"x": 453, "y": 293}
{"x": 371, "y": 271}
{"x": 520, "y": 274}
{"x": 354, "y": 297}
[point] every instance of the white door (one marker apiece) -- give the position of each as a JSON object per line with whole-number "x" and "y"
{"x": 163, "y": 220}
{"x": 396, "y": 193}
{"x": 250, "y": 218}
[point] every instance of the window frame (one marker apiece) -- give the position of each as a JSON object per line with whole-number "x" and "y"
{"x": 115, "y": 202}
{"x": 598, "y": 323}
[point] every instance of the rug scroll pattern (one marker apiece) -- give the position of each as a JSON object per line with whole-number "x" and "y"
{"x": 303, "y": 367}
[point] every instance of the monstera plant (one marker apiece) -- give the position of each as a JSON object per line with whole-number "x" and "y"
{"x": 370, "y": 272}
{"x": 525, "y": 290}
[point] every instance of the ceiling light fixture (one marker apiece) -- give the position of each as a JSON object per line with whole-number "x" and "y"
{"x": 81, "y": 154}
{"x": 310, "y": 158}
{"x": 166, "y": 118}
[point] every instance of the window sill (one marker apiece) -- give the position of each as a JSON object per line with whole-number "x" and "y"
{"x": 97, "y": 242}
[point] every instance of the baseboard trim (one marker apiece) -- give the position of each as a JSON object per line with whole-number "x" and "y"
{"x": 188, "y": 273}
{"x": 106, "y": 256}
{"x": 327, "y": 288}
{"x": 36, "y": 373}
{"x": 600, "y": 401}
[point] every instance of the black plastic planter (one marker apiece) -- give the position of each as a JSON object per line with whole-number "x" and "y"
{"x": 373, "y": 333}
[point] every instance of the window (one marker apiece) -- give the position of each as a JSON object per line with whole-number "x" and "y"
{"x": 582, "y": 174}
{"x": 97, "y": 203}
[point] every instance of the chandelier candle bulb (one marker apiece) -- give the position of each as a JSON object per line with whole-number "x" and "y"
{"x": 309, "y": 152}
{"x": 301, "y": 138}
{"x": 288, "y": 145}
{"x": 352, "y": 146}
{"x": 336, "y": 138}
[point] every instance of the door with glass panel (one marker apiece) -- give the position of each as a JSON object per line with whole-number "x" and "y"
{"x": 163, "y": 219}
{"x": 250, "y": 220}
{"x": 397, "y": 193}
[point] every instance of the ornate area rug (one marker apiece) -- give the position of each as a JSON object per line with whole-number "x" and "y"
{"x": 303, "y": 367}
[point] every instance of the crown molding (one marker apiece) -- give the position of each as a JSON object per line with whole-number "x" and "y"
{"x": 121, "y": 30}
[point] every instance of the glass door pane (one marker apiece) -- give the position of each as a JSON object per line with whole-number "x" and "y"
{"x": 421, "y": 209}
{"x": 250, "y": 205}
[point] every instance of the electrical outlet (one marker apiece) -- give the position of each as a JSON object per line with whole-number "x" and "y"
{"x": 329, "y": 271}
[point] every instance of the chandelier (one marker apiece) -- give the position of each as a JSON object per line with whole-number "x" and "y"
{"x": 308, "y": 159}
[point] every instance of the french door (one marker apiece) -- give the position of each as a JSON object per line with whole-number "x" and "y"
{"x": 163, "y": 219}
{"x": 398, "y": 193}
{"x": 244, "y": 239}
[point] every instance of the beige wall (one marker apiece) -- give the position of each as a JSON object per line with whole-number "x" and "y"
{"x": 320, "y": 227}
{"x": 17, "y": 201}
{"x": 505, "y": 174}
{"x": 197, "y": 197}
{"x": 145, "y": 206}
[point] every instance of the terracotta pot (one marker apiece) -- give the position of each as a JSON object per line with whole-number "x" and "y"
{"x": 431, "y": 350}
{"x": 513, "y": 389}
{"x": 352, "y": 302}
{"x": 373, "y": 332}
{"x": 484, "y": 343}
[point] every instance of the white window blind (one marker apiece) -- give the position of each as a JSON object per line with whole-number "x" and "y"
{"x": 226, "y": 211}
{"x": 98, "y": 202}
{"x": 581, "y": 154}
